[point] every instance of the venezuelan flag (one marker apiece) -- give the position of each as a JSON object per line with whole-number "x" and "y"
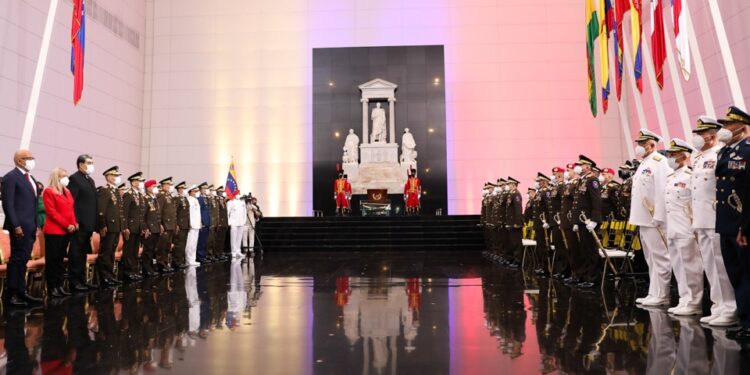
{"x": 231, "y": 186}
{"x": 621, "y": 6}
{"x": 78, "y": 43}
{"x": 605, "y": 8}
{"x": 592, "y": 31}
{"x": 637, "y": 29}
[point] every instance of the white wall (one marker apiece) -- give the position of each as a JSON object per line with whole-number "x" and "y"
{"x": 107, "y": 121}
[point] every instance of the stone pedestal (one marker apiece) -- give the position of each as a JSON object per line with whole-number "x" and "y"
{"x": 379, "y": 153}
{"x": 351, "y": 170}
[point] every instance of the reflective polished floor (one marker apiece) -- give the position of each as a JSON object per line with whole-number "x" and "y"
{"x": 423, "y": 313}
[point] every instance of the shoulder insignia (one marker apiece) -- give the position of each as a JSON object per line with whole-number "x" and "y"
{"x": 689, "y": 171}
{"x": 595, "y": 184}
{"x": 658, "y": 157}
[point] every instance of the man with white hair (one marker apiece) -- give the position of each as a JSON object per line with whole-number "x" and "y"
{"x": 647, "y": 210}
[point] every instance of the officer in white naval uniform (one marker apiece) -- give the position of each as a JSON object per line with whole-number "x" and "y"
{"x": 724, "y": 307}
{"x": 647, "y": 210}
{"x": 683, "y": 249}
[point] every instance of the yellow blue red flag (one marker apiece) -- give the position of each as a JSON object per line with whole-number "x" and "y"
{"x": 231, "y": 185}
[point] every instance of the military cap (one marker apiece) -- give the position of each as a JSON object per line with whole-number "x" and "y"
{"x": 531, "y": 189}
{"x": 512, "y": 180}
{"x": 149, "y": 183}
{"x": 707, "y": 123}
{"x": 220, "y": 188}
{"x": 678, "y": 145}
{"x": 122, "y": 187}
{"x": 645, "y": 135}
{"x": 583, "y": 159}
{"x": 203, "y": 185}
{"x": 571, "y": 165}
{"x": 138, "y": 176}
{"x": 541, "y": 177}
{"x": 193, "y": 188}
{"x": 608, "y": 170}
{"x": 596, "y": 169}
{"x": 211, "y": 187}
{"x": 500, "y": 182}
{"x": 166, "y": 181}
{"x": 181, "y": 185}
{"x": 627, "y": 166}
{"x": 735, "y": 114}
{"x": 114, "y": 170}
{"x": 557, "y": 170}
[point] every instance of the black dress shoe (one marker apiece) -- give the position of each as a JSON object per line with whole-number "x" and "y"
{"x": 16, "y": 301}
{"x": 586, "y": 285}
{"x": 31, "y": 300}
{"x": 150, "y": 274}
{"x": 130, "y": 278}
{"x": 743, "y": 335}
{"x": 64, "y": 292}
{"x": 55, "y": 293}
{"x": 733, "y": 332}
{"x": 79, "y": 288}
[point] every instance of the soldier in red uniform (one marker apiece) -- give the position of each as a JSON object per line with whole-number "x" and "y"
{"x": 342, "y": 190}
{"x": 412, "y": 192}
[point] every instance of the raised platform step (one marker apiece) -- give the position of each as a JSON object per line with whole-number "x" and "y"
{"x": 418, "y": 233}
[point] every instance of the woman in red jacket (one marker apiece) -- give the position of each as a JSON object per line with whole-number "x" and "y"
{"x": 61, "y": 222}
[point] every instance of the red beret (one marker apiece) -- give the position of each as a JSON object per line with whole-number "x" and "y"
{"x": 150, "y": 183}
{"x": 557, "y": 169}
{"x": 571, "y": 166}
{"x": 608, "y": 170}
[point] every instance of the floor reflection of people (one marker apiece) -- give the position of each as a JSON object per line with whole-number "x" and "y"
{"x": 692, "y": 357}
{"x": 194, "y": 302}
{"x": 726, "y": 359}
{"x": 57, "y": 353}
{"x": 237, "y": 295}
{"x": 661, "y": 348}
{"x": 19, "y": 360}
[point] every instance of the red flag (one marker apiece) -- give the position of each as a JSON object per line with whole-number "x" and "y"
{"x": 621, "y": 7}
{"x": 658, "y": 48}
{"x": 78, "y": 40}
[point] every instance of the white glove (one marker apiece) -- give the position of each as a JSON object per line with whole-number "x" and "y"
{"x": 591, "y": 225}
{"x": 575, "y": 228}
{"x": 545, "y": 226}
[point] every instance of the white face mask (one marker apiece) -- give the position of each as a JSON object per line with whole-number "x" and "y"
{"x": 197, "y": 195}
{"x": 566, "y": 176}
{"x": 536, "y": 185}
{"x": 142, "y": 189}
{"x": 172, "y": 189}
{"x": 673, "y": 163}
{"x": 154, "y": 190}
{"x": 213, "y": 193}
{"x": 600, "y": 178}
{"x": 724, "y": 135}
{"x": 224, "y": 194}
{"x": 64, "y": 181}
{"x": 639, "y": 151}
{"x": 118, "y": 180}
{"x": 29, "y": 165}
{"x": 578, "y": 169}
{"x": 89, "y": 169}
{"x": 698, "y": 142}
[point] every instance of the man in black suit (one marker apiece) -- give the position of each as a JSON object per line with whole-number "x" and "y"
{"x": 19, "y": 204}
{"x": 83, "y": 188}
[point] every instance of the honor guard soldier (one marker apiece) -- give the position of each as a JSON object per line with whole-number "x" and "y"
{"x": 647, "y": 211}
{"x": 134, "y": 214}
{"x": 683, "y": 249}
{"x": 205, "y": 209}
{"x": 557, "y": 190}
{"x": 183, "y": 227}
{"x": 121, "y": 189}
{"x": 514, "y": 224}
{"x": 214, "y": 210}
{"x": 110, "y": 224}
{"x": 732, "y": 184}
{"x": 610, "y": 190}
{"x": 168, "y": 223}
{"x": 623, "y": 198}
{"x": 483, "y": 220}
{"x": 339, "y": 194}
{"x": 501, "y": 233}
{"x": 223, "y": 228}
{"x": 153, "y": 229}
{"x": 412, "y": 193}
{"x": 567, "y": 221}
{"x": 724, "y": 307}
{"x": 587, "y": 214}
{"x": 542, "y": 209}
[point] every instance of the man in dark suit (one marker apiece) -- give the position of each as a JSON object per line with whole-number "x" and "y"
{"x": 83, "y": 188}
{"x": 204, "y": 200}
{"x": 19, "y": 204}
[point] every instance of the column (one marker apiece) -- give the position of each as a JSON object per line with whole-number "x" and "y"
{"x": 365, "y": 121}
{"x": 392, "y": 118}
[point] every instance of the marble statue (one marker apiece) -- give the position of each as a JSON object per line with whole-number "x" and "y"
{"x": 408, "y": 148}
{"x": 351, "y": 148}
{"x": 378, "y": 124}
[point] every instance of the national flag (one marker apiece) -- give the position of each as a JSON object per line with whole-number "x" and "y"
{"x": 78, "y": 40}
{"x": 621, "y": 6}
{"x": 605, "y": 7}
{"x": 230, "y": 187}
{"x": 592, "y": 31}
{"x": 658, "y": 45}
{"x": 679, "y": 19}
{"x": 636, "y": 30}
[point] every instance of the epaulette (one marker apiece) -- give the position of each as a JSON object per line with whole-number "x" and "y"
{"x": 613, "y": 184}
{"x": 658, "y": 157}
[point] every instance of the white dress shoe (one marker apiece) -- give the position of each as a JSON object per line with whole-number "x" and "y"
{"x": 708, "y": 319}
{"x": 653, "y": 301}
{"x": 672, "y": 309}
{"x": 723, "y": 321}
{"x": 641, "y": 299}
{"x": 687, "y": 311}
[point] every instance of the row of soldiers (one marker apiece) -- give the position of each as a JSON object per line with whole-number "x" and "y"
{"x": 157, "y": 217}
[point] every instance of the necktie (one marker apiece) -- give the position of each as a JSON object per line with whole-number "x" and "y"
{"x": 28, "y": 178}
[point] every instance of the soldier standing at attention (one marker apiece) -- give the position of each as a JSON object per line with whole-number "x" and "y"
{"x": 168, "y": 223}
{"x": 587, "y": 215}
{"x": 153, "y": 229}
{"x": 134, "y": 213}
{"x": 110, "y": 224}
{"x": 223, "y": 227}
{"x": 557, "y": 190}
{"x": 514, "y": 223}
{"x": 183, "y": 227}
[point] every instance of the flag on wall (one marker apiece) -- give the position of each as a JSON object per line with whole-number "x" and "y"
{"x": 605, "y": 8}
{"x": 78, "y": 40}
{"x": 636, "y": 30}
{"x": 679, "y": 19}
{"x": 658, "y": 48}
{"x": 230, "y": 187}
{"x": 592, "y": 31}
{"x": 621, "y": 6}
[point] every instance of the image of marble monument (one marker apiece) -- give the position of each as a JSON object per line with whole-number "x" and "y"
{"x": 375, "y": 163}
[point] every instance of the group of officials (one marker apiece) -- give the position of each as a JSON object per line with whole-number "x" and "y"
{"x": 342, "y": 193}
{"x": 163, "y": 227}
{"x": 686, "y": 201}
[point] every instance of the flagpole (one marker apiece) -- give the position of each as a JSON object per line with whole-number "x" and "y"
{"x": 36, "y": 86}
{"x": 700, "y": 71}
{"x": 726, "y": 54}
{"x": 679, "y": 94}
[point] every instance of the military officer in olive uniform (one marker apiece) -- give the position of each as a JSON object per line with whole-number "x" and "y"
{"x": 542, "y": 217}
{"x": 514, "y": 223}
{"x": 610, "y": 194}
{"x": 623, "y": 198}
{"x": 214, "y": 211}
{"x": 724, "y": 307}
{"x": 567, "y": 221}
{"x": 587, "y": 215}
{"x": 134, "y": 213}
{"x": 223, "y": 228}
{"x": 168, "y": 224}
{"x": 732, "y": 223}
{"x": 153, "y": 229}
{"x": 561, "y": 267}
{"x": 503, "y": 254}
{"x": 109, "y": 225}
{"x": 179, "y": 241}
